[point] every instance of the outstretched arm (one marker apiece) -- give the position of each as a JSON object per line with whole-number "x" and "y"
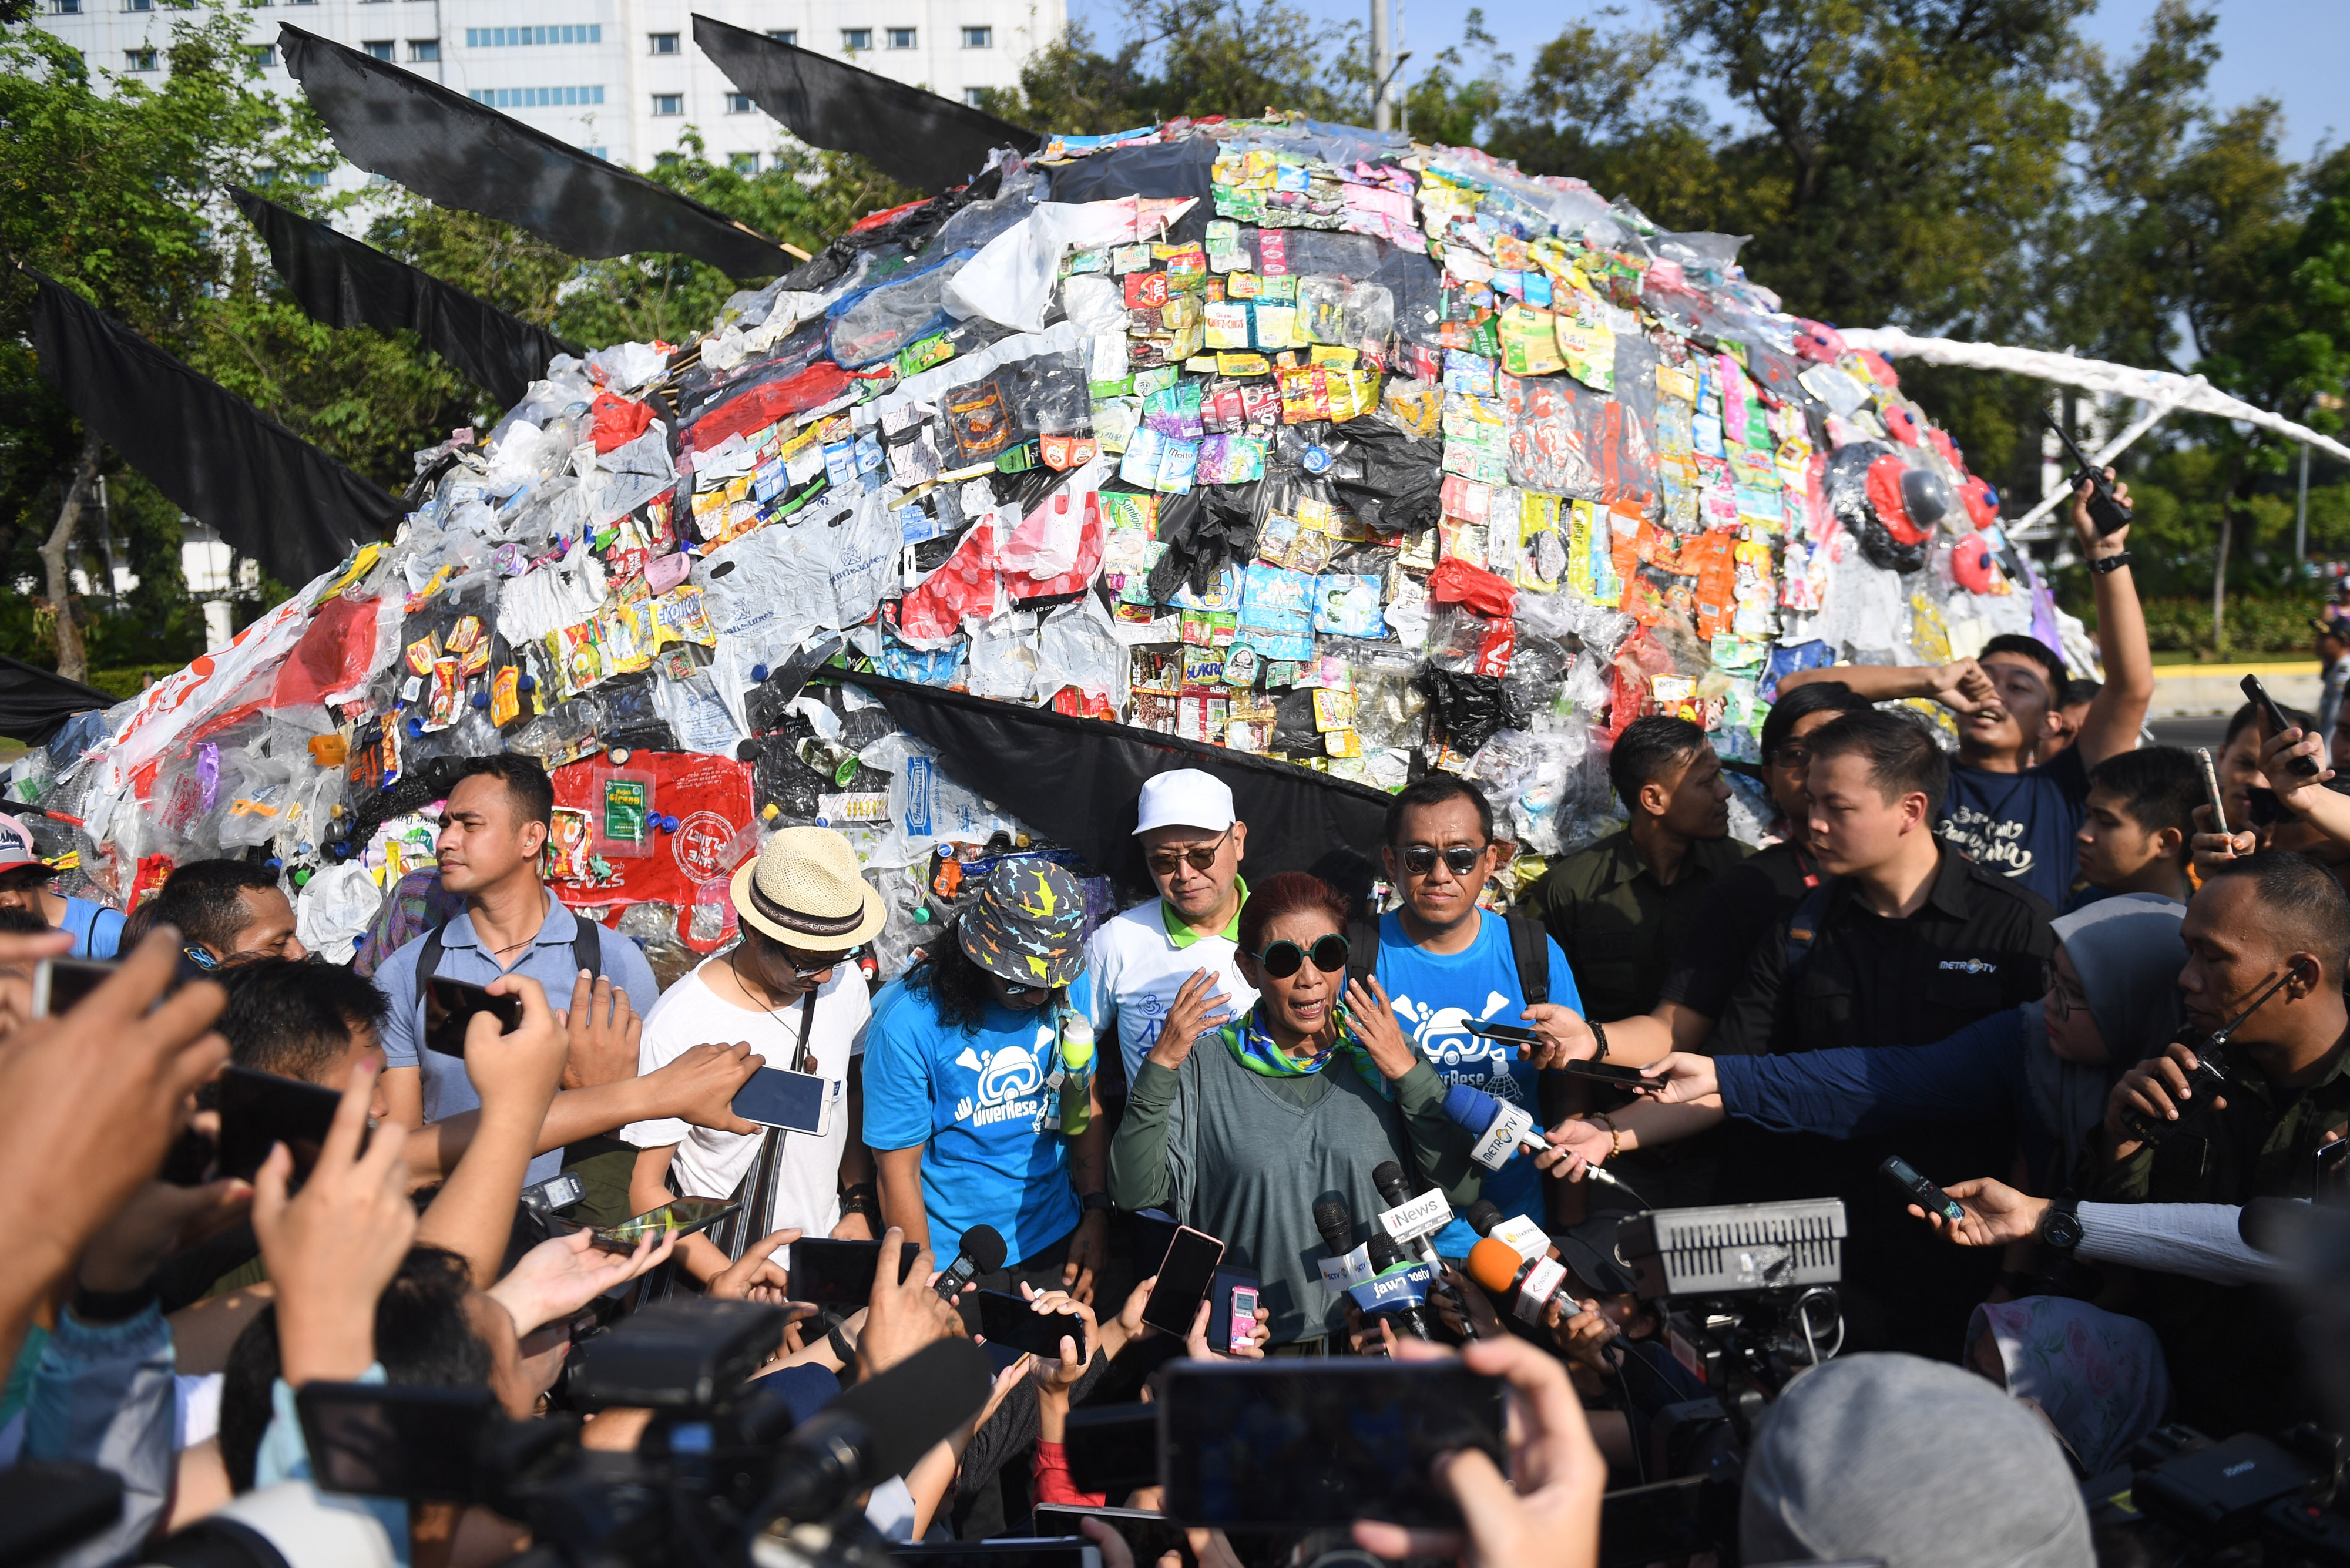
{"x": 2112, "y": 723}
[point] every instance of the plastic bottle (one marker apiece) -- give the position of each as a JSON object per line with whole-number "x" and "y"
{"x": 1077, "y": 1067}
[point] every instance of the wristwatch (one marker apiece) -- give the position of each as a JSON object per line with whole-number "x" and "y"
{"x": 1094, "y": 1202}
{"x": 2113, "y": 563}
{"x": 2060, "y": 1226}
{"x": 862, "y": 1198}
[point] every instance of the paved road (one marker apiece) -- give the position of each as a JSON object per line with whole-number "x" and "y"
{"x": 2206, "y": 730}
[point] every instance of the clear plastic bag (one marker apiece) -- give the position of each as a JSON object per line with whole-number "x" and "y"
{"x": 1340, "y": 311}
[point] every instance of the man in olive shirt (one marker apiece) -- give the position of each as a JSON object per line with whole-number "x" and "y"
{"x": 1618, "y": 908}
{"x": 2233, "y": 1350}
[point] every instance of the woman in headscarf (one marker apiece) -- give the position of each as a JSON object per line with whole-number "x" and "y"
{"x": 2112, "y": 1001}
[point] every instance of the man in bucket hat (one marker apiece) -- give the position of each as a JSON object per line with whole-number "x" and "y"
{"x": 790, "y": 990}
{"x": 976, "y": 1060}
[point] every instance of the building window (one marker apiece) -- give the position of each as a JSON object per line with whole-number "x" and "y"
{"x": 979, "y": 37}
{"x": 261, "y": 55}
{"x": 315, "y": 178}
{"x": 785, "y": 36}
{"x": 669, "y": 103}
{"x": 852, "y": 40}
{"x": 738, "y": 103}
{"x": 516, "y": 37}
{"x": 901, "y": 37}
{"x": 596, "y": 152}
{"x": 377, "y": 48}
{"x": 138, "y": 4}
{"x": 536, "y": 98}
{"x": 975, "y": 97}
{"x": 665, "y": 160}
{"x": 663, "y": 43}
{"x": 137, "y": 59}
{"x": 743, "y": 163}
{"x": 423, "y": 51}
{"x": 65, "y": 7}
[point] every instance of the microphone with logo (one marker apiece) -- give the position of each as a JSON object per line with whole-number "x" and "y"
{"x": 1411, "y": 1220}
{"x": 981, "y": 1253}
{"x": 1338, "y": 1226}
{"x": 1527, "y": 1285}
{"x": 1502, "y": 1129}
{"x": 1394, "y": 1289}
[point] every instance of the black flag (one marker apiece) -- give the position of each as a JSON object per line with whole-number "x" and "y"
{"x": 35, "y": 703}
{"x": 916, "y": 138}
{"x": 1077, "y": 780}
{"x": 445, "y": 146}
{"x": 272, "y": 496}
{"x": 343, "y": 282}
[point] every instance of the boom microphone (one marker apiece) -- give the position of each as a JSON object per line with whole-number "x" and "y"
{"x": 983, "y": 1253}
{"x": 879, "y": 1428}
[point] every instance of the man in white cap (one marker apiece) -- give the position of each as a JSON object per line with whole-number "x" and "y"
{"x": 1192, "y": 844}
{"x": 790, "y": 990}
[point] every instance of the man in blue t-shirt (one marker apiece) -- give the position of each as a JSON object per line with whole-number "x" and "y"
{"x": 2001, "y": 811}
{"x": 966, "y": 1064}
{"x": 25, "y": 880}
{"x": 1447, "y": 965}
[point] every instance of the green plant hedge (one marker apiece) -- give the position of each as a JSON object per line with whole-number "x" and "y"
{"x": 124, "y": 682}
{"x": 2263, "y": 624}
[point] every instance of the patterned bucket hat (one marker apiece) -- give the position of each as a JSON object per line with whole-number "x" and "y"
{"x": 1028, "y": 924}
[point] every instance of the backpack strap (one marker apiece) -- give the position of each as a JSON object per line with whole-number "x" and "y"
{"x": 1530, "y": 945}
{"x": 427, "y": 962}
{"x": 1803, "y": 926}
{"x": 586, "y": 946}
{"x": 1362, "y": 948}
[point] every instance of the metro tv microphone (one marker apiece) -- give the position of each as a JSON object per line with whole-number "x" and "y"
{"x": 1502, "y": 1129}
{"x": 983, "y": 1253}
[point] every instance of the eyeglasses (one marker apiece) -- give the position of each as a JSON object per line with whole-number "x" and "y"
{"x": 1019, "y": 992}
{"x": 1168, "y": 862}
{"x": 807, "y": 966}
{"x": 1460, "y": 859}
{"x": 1283, "y": 959}
{"x": 1792, "y": 756}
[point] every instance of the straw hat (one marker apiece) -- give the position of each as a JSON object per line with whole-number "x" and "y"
{"x": 804, "y": 891}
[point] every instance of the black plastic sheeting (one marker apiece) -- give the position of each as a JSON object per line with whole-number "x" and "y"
{"x": 916, "y": 138}
{"x": 35, "y": 703}
{"x": 442, "y": 145}
{"x": 272, "y": 496}
{"x": 1077, "y": 780}
{"x": 1174, "y": 169}
{"x": 344, "y": 283}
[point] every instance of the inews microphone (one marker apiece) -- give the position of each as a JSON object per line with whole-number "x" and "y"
{"x": 1388, "y": 1178}
{"x": 1502, "y": 1129}
{"x": 880, "y": 1427}
{"x": 983, "y": 1253}
{"x": 1337, "y": 1227}
{"x": 1406, "y": 1315}
{"x": 1528, "y": 1284}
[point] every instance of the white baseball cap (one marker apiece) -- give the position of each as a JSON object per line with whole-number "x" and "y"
{"x": 17, "y": 849}
{"x": 1185, "y": 797}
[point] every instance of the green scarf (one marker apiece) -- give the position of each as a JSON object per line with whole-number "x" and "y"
{"x": 1254, "y": 1048}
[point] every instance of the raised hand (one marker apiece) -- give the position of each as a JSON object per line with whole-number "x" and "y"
{"x": 1197, "y": 1007}
{"x": 1683, "y": 1077}
{"x": 557, "y": 1277}
{"x": 1996, "y": 1214}
{"x": 604, "y": 1030}
{"x": 699, "y": 1086}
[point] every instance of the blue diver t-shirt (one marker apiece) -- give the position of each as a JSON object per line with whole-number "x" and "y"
{"x": 1435, "y": 997}
{"x": 978, "y": 1103}
{"x": 2020, "y": 826}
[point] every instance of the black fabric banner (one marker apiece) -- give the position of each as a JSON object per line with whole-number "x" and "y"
{"x": 916, "y": 138}
{"x": 442, "y": 145}
{"x": 35, "y": 703}
{"x": 1077, "y": 781}
{"x": 272, "y": 496}
{"x": 344, "y": 283}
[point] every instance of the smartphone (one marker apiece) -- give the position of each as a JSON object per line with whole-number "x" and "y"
{"x": 2333, "y": 1162}
{"x": 1012, "y": 1324}
{"x": 449, "y": 1008}
{"x": 1241, "y": 1332}
{"x": 1919, "y": 1190}
{"x": 2275, "y": 723}
{"x": 1149, "y": 1233}
{"x": 416, "y": 1442}
{"x": 840, "y": 1273}
{"x": 1512, "y": 1032}
{"x": 1149, "y": 1536}
{"x": 682, "y": 1215}
{"x": 1611, "y": 1073}
{"x": 1183, "y": 1278}
{"x": 2218, "y": 802}
{"x": 1004, "y": 1551}
{"x": 58, "y": 983}
{"x": 258, "y": 1109}
{"x": 795, "y": 1102}
{"x": 1278, "y": 1443}
{"x": 1114, "y": 1448}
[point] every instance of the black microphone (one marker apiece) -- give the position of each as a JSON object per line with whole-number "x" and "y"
{"x": 1337, "y": 1227}
{"x": 1388, "y": 1178}
{"x": 983, "y": 1253}
{"x": 1483, "y": 1216}
{"x": 878, "y": 1429}
{"x": 1407, "y": 1318}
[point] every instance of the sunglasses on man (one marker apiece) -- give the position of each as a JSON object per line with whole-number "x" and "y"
{"x": 1169, "y": 861}
{"x": 1460, "y": 859}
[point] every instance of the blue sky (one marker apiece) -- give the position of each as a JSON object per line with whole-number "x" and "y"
{"x": 2290, "y": 50}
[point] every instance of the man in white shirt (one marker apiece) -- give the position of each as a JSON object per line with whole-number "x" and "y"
{"x": 1192, "y": 844}
{"x": 789, "y": 989}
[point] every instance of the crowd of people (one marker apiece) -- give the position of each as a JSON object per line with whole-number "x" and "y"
{"x": 1983, "y": 964}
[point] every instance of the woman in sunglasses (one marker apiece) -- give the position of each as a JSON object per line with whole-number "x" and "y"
{"x": 1240, "y": 1129}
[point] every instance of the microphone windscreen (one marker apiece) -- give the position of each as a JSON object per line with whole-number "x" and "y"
{"x": 1471, "y": 1108}
{"x": 985, "y": 1248}
{"x": 1385, "y": 1254}
{"x": 1495, "y": 1265}
{"x": 1337, "y": 1227}
{"x": 1483, "y": 1216}
{"x": 1388, "y": 1177}
{"x": 916, "y": 1405}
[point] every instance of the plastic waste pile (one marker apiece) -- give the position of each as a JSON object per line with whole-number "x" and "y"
{"x": 1377, "y": 457}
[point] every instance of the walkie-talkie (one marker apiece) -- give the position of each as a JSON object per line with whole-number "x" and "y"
{"x": 2207, "y": 1079}
{"x": 2106, "y": 512}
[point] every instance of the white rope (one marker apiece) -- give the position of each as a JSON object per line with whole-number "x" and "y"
{"x": 2191, "y": 393}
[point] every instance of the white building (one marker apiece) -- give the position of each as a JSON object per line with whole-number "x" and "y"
{"x": 620, "y": 78}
